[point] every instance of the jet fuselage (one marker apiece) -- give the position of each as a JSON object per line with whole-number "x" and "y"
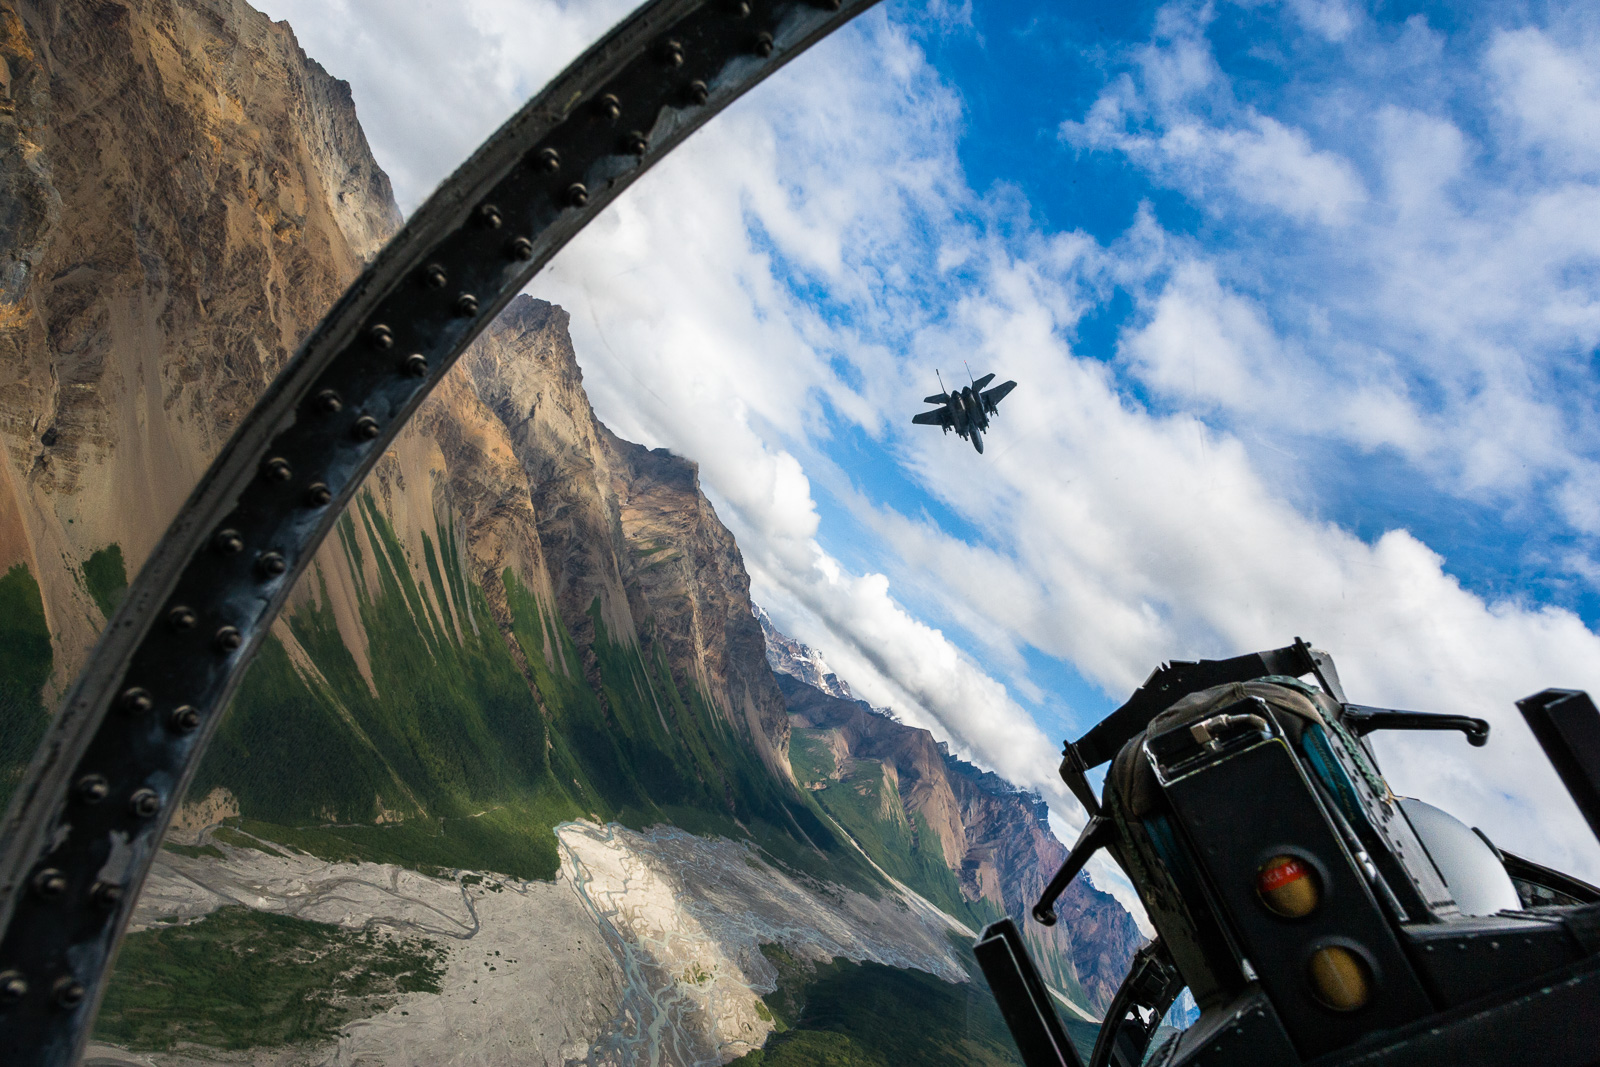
{"x": 965, "y": 410}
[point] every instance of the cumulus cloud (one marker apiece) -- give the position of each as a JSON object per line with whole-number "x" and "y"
{"x": 1262, "y": 162}
{"x": 1174, "y": 114}
{"x": 1550, "y": 96}
{"x": 1439, "y": 319}
{"x": 771, "y": 300}
{"x": 1332, "y": 20}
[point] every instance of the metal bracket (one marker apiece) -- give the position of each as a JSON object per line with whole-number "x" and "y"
{"x": 1099, "y": 832}
{"x": 1152, "y": 984}
{"x": 1023, "y": 998}
{"x": 1076, "y": 775}
{"x": 1567, "y": 726}
{"x": 1172, "y": 682}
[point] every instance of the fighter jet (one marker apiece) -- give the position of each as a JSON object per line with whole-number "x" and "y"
{"x": 965, "y": 410}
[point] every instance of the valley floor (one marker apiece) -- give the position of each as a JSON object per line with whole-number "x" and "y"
{"x": 646, "y": 949}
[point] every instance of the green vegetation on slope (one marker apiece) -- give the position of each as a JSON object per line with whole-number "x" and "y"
{"x": 25, "y": 662}
{"x": 863, "y": 798}
{"x": 1054, "y": 966}
{"x": 286, "y": 752}
{"x": 1082, "y": 1033}
{"x": 194, "y": 852}
{"x": 657, "y": 752}
{"x": 450, "y": 759}
{"x": 450, "y": 752}
{"x": 865, "y": 801}
{"x": 811, "y": 757}
{"x": 106, "y": 578}
{"x": 241, "y": 979}
{"x": 229, "y": 835}
{"x": 844, "y": 1014}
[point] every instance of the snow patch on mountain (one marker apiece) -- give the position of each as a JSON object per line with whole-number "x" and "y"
{"x": 802, "y": 662}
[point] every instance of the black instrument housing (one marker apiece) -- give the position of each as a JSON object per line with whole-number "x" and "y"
{"x": 1223, "y": 769}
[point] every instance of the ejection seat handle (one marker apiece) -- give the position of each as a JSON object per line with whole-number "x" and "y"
{"x": 1363, "y": 720}
{"x": 1097, "y": 833}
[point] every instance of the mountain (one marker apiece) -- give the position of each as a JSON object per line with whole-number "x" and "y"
{"x": 983, "y": 847}
{"x": 522, "y": 687}
{"x": 176, "y": 218}
{"x": 995, "y": 850}
{"x": 520, "y": 610}
{"x": 785, "y": 655}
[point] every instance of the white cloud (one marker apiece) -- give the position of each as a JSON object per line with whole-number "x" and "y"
{"x": 1332, "y": 20}
{"x": 1441, "y": 316}
{"x": 1179, "y": 120}
{"x": 1262, "y": 161}
{"x": 1097, "y": 529}
{"x": 1551, "y": 97}
{"x": 1217, "y": 350}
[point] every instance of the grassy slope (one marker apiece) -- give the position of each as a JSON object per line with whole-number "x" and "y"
{"x": 452, "y": 750}
{"x": 26, "y": 658}
{"x": 866, "y": 803}
{"x": 239, "y": 979}
{"x": 469, "y": 765}
{"x": 455, "y": 760}
{"x": 457, "y": 751}
{"x": 106, "y": 578}
{"x": 843, "y": 1014}
{"x": 25, "y": 661}
{"x": 455, "y": 747}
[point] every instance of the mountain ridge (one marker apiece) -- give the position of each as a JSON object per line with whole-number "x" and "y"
{"x": 994, "y": 836}
{"x": 785, "y": 655}
{"x": 522, "y": 620}
{"x": 238, "y": 197}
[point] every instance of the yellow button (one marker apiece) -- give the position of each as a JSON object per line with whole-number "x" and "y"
{"x": 1340, "y": 979}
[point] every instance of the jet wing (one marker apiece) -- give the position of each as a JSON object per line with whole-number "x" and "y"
{"x": 998, "y": 393}
{"x": 940, "y": 417}
{"x": 981, "y": 382}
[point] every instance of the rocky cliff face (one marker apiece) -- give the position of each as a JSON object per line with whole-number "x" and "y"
{"x": 633, "y": 548}
{"x": 992, "y": 835}
{"x": 185, "y": 194}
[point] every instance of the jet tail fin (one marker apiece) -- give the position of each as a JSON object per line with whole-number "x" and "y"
{"x": 940, "y": 399}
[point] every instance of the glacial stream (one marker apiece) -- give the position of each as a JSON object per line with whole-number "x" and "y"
{"x": 685, "y": 918}
{"x": 654, "y": 1023}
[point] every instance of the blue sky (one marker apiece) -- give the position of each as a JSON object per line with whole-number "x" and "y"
{"x": 1022, "y": 69}
{"x": 1302, "y": 298}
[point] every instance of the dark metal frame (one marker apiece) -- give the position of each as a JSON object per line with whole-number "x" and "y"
{"x": 1567, "y": 727}
{"x": 1023, "y": 998}
{"x": 1447, "y": 989}
{"x": 83, "y": 827}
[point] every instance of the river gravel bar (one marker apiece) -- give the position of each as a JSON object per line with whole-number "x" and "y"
{"x": 644, "y": 950}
